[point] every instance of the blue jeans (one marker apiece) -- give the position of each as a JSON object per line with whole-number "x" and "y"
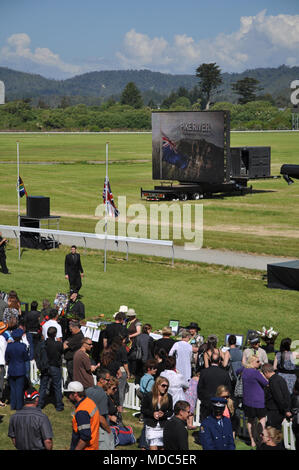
{"x": 16, "y": 385}
{"x": 54, "y": 374}
{"x": 142, "y": 440}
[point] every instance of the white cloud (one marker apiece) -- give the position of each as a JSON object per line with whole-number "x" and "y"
{"x": 18, "y": 50}
{"x": 260, "y": 41}
{"x": 141, "y": 51}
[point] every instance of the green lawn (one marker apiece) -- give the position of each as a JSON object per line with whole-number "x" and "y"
{"x": 265, "y": 222}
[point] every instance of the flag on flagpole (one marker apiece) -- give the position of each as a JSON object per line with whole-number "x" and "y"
{"x": 111, "y": 208}
{"x": 21, "y": 188}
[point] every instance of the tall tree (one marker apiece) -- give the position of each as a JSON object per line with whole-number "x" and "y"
{"x": 209, "y": 80}
{"x": 247, "y": 88}
{"x": 132, "y": 96}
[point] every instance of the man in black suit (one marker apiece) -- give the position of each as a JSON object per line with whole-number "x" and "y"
{"x": 73, "y": 269}
{"x": 209, "y": 381}
{"x": 3, "y": 265}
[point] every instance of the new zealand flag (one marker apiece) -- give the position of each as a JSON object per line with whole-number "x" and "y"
{"x": 111, "y": 208}
{"x": 170, "y": 154}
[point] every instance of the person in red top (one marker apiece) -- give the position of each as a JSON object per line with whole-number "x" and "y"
{"x": 86, "y": 419}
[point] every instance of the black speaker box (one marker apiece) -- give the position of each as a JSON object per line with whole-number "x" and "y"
{"x": 38, "y": 207}
{"x": 251, "y": 162}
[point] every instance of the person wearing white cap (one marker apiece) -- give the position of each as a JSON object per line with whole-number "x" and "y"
{"x": 254, "y": 350}
{"x": 86, "y": 419}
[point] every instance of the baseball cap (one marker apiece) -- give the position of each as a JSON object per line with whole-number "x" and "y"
{"x": 31, "y": 394}
{"x": 17, "y": 333}
{"x": 74, "y": 387}
{"x": 219, "y": 402}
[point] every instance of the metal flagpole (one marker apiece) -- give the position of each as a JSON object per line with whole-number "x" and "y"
{"x": 18, "y": 191}
{"x": 106, "y": 208}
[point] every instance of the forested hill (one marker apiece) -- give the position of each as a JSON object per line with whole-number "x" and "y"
{"x": 19, "y": 85}
{"x": 153, "y": 85}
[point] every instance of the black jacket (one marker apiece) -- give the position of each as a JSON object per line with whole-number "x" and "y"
{"x": 277, "y": 395}
{"x": 175, "y": 435}
{"x": 148, "y": 411}
{"x": 163, "y": 343}
{"x": 75, "y": 309}
{"x": 209, "y": 381}
{"x": 32, "y": 321}
{"x": 72, "y": 264}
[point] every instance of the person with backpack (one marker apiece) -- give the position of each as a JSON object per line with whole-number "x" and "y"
{"x": 144, "y": 350}
{"x": 50, "y": 363}
{"x": 232, "y": 360}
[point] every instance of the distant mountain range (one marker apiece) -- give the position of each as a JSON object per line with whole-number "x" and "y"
{"x": 95, "y": 87}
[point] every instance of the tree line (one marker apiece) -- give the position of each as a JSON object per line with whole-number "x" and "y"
{"x": 252, "y": 111}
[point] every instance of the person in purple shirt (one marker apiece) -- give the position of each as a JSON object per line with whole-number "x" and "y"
{"x": 254, "y": 383}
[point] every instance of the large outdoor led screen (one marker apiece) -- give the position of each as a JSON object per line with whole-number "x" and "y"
{"x": 190, "y": 146}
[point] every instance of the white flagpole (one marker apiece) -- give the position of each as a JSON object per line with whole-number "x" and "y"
{"x": 106, "y": 208}
{"x": 18, "y": 191}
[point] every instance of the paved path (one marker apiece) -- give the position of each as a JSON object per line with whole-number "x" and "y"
{"x": 204, "y": 255}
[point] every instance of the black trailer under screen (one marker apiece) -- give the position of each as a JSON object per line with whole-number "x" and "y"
{"x": 283, "y": 275}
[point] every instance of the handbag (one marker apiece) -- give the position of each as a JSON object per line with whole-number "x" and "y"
{"x": 124, "y": 435}
{"x": 138, "y": 352}
{"x": 238, "y": 392}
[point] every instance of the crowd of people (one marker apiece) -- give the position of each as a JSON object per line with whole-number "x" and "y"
{"x": 171, "y": 373}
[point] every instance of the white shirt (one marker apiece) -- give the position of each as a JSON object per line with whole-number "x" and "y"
{"x": 183, "y": 353}
{"x": 177, "y": 385}
{"x": 3, "y": 345}
{"x": 47, "y": 325}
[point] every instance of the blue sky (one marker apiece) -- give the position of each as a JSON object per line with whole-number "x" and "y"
{"x": 60, "y": 39}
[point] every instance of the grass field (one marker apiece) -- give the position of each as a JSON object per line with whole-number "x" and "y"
{"x": 266, "y": 221}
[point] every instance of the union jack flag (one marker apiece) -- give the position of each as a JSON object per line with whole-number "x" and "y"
{"x": 21, "y": 187}
{"x": 171, "y": 155}
{"x": 111, "y": 208}
{"x": 167, "y": 143}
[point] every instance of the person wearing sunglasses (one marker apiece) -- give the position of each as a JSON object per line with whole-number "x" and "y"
{"x": 156, "y": 407}
{"x": 111, "y": 389}
{"x": 83, "y": 369}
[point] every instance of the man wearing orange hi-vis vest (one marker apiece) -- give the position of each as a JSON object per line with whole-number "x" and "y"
{"x": 86, "y": 419}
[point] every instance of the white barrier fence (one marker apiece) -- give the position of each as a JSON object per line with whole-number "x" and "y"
{"x": 15, "y": 231}
{"x": 132, "y": 402}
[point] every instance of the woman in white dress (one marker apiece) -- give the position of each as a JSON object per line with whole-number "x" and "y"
{"x": 177, "y": 382}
